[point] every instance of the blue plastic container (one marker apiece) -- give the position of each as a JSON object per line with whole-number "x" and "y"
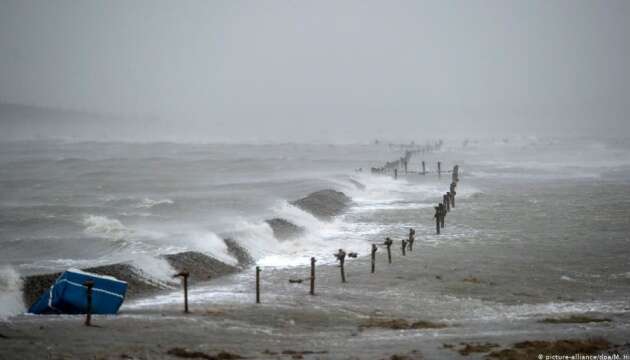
{"x": 68, "y": 295}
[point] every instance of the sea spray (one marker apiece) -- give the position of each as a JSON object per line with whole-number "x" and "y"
{"x": 255, "y": 236}
{"x": 155, "y": 269}
{"x": 103, "y": 226}
{"x": 283, "y": 229}
{"x": 211, "y": 244}
{"x": 384, "y": 190}
{"x": 284, "y": 210}
{"x": 381, "y": 189}
{"x": 319, "y": 238}
{"x": 10, "y": 293}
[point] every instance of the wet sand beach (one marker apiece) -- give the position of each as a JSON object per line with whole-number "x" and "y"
{"x": 329, "y": 325}
{"x": 461, "y": 293}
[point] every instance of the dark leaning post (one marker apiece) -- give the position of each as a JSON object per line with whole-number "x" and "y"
{"x": 312, "y": 292}
{"x": 341, "y": 256}
{"x": 88, "y": 293}
{"x": 388, "y": 243}
{"x": 258, "y": 284}
{"x": 455, "y": 175}
{"x": 437, "y": 217}
{"x": 447, "y": 201}
{"x": 184, "y": 275}
{"x": 374, "y": 249}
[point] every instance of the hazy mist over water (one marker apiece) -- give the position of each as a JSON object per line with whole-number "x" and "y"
{"x": 322, "y": 71}
{"x": 145, "y": 138}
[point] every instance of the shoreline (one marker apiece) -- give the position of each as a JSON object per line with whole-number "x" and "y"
{"x": 289, "y": 321}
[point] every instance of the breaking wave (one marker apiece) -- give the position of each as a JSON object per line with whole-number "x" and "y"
{"x": 10, "y": 293}
{"x": 103, "y": 226}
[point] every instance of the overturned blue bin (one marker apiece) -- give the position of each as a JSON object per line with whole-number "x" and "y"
{"x": 67, "y": 295}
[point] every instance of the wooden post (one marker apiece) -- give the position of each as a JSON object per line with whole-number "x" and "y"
{"x": 388, "y": 243}
{"x": 437, "y": 219}
{"x": 184, "y": 276}
{"x": 186, "y": 293}
{"x": 343, "y": 273}
{"x": 404, "y": 246}
{"x": 374, "y": 249}
{"x": 424, "y": 168}
{"x": 439, "y": 168}
{"x": 312, "y": 276}
{"x": 446, "y": 202}
{"x": 341, "y": 257}
{"x": 257, "y": 284}
{"x": 88, "y": 293}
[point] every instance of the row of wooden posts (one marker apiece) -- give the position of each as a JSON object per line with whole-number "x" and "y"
{"x": 403, "y": 162}
{"x": 340, "y": 255}
{"x": 423, "y": 172}
{"x": 448, "y": 201}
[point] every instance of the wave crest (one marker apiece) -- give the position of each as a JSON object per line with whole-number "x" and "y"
{"x": 102, "y": 226}
{"x": 10, "y": 293}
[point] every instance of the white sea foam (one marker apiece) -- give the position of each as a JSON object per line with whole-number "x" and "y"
{"x": 10, "y": 293}
{"x": 156, "y": 268}
{"x": 557, "y": 308}
{"x": 209, "y": 243}
{"x": 237, "y": 291}
{"x": 535, "y": 176}
{"x": 295, "y": 215}
{"x": 103, "y": 226}
{"x": 476, "y": 309}
{"x": 148, "y": 203}
{"x": 392, "y": 206}
{"x": 379, "y": 189}
{"x": 384, "y": 190}
{"x": 255, "y": 236}
{"x": 321, "y": 239}
{"x": 625, "y": 275}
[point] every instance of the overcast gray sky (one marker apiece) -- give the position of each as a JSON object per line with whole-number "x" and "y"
{"x": 349, "y": 70}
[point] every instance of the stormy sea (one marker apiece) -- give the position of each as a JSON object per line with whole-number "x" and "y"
{"x": 540, "y": 233}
